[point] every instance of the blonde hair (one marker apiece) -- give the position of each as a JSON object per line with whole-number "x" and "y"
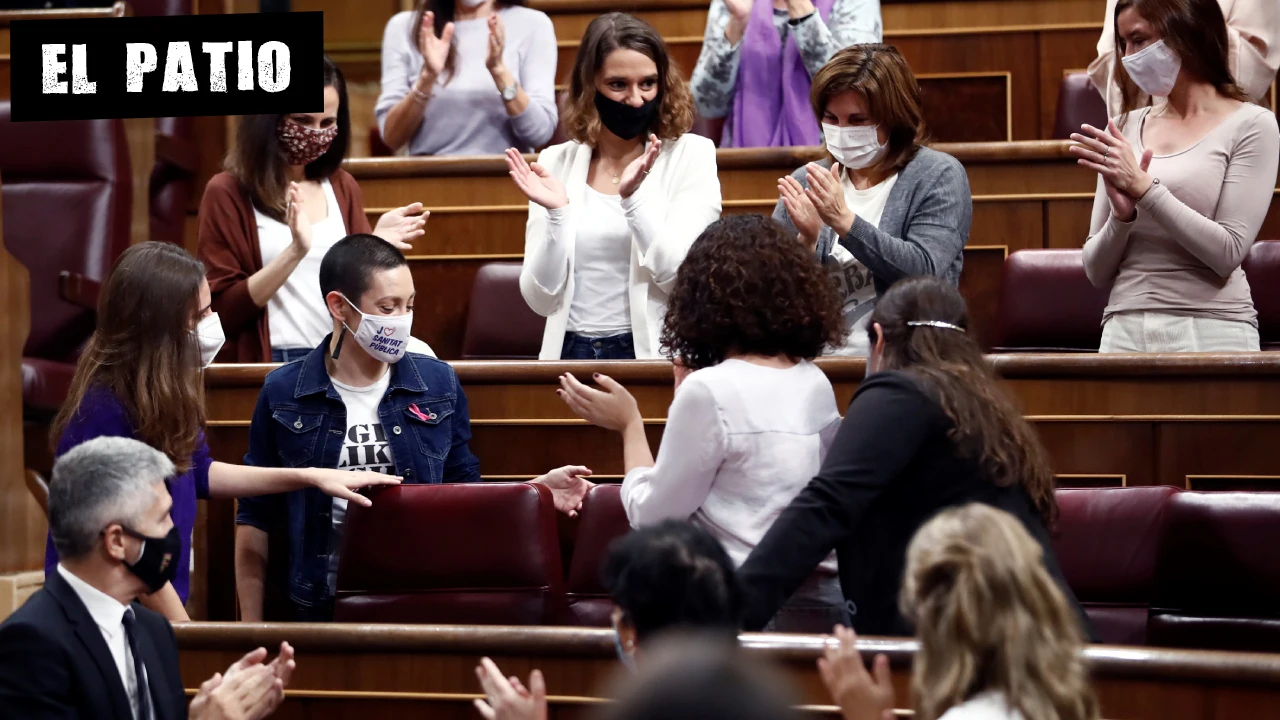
{"x": 989, "y": 617}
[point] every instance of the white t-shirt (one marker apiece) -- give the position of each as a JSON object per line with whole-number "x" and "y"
{"x": 364, "y": 448}
{"x": 853, "y": 279}
{"x": 296, "y": 315}
{"x": 742, "y": 440}
{"x": 601, "y": 269}
{"x": 990, "y": 705}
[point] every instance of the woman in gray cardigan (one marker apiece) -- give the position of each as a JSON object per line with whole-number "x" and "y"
{"x": 890, "y": 208}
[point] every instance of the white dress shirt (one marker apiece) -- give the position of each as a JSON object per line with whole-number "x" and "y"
{"x": 108, "y": 613}
{"x": 989, "y": 705}
{"x": 742, "y": 440}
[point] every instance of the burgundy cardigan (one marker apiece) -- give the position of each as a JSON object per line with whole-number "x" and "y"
{"x": 230, "y": 251}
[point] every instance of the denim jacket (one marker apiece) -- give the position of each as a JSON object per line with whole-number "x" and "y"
{"x": 300, "y": 421}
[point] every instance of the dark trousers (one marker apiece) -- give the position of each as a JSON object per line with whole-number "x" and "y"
{"x": 617, "y": 347}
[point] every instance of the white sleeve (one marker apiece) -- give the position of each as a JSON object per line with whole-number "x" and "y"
{"x": 547, "y": 247}
{"x": 693, "y": 446}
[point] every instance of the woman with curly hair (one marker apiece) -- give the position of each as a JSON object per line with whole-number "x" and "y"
{"x": 929, "y": 428}
{"x": 613, "y": 211}
{"x": 752, "y": 417}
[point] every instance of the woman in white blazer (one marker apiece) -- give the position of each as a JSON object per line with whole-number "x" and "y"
{"x": 611, "y": 214}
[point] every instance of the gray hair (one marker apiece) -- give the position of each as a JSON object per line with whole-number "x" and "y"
{"x": 99, "y": 482}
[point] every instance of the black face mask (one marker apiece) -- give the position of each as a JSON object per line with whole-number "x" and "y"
{"x": 159, "y": 562}
{"x": 623, "y": 120}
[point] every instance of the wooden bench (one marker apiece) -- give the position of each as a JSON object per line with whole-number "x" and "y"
{"x": 347, "y": 671}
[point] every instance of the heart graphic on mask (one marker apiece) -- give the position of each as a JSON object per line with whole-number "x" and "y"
{"x": 388, "y": 331}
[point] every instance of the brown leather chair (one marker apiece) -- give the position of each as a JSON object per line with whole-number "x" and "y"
{"x": 601, "y": 520}
{"x": 1047, "y": 304}
{"x": 1079, "y": 102}
{"x": 1107, "y": 541}
{"x": 1262, "y": 269}
{"x": 473, "y": 553}
{"x": 1218, "y": 575}
{"x": 67, "y": 208}
{"x": 500, "y": 324}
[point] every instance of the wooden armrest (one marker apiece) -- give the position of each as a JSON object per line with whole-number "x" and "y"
{"x": 177, "y": 152}
{"x": 79, "y": 290}
{"x": 39, "y": 489}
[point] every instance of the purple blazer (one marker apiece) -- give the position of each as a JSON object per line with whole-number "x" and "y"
{"x": 101, "y": 414}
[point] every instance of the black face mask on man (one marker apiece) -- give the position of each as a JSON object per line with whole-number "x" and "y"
{"x": 158, "y": 563}
{"x": 623, "y": 120}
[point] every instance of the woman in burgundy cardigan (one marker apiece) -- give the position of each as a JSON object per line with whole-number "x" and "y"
{"x": 267, "y": 221}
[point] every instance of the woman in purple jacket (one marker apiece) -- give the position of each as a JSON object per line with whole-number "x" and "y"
{"x": 140, "y": 377}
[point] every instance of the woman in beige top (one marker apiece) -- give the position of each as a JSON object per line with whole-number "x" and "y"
{"x": 1183, "y": 187}
{"x": 1253, "y": 50}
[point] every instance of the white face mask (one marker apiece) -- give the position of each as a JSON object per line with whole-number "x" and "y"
{"x": 1154, "y": 68}
{"x": 470, "y": 3}
{"x": 385, "y": 337}
{"x": 854, "y": 147}
{"x": 210, "y": 337}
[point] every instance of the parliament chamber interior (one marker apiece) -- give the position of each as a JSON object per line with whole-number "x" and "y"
{"x": 1168, "y": 518}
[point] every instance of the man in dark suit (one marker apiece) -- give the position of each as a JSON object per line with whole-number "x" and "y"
{"x": 82, "y": 647}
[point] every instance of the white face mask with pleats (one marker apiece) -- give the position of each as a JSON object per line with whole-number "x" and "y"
{"x": 210, "y": 337}
{"x": 1154, "y": 68}
{"x": 855, "y": 147}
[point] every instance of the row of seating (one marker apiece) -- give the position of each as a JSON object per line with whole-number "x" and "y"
{"x": 1047, "y": 303}
{"x": 1151, "y": 565}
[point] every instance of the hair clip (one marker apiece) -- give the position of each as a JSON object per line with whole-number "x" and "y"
{"x": 935, "y": 323}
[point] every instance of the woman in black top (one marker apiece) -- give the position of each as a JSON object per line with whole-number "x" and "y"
{"x": 929, "y": 428}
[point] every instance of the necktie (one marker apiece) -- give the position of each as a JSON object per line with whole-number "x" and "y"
{"x": 144, "y": 693}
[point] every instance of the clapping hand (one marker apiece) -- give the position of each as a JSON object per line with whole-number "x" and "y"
{"x": 568, "y": 485}
{"x": 860, "y": 695}
{"x": 801, "y": 210}
{"x": 248, "y": 690}
{"x": 497, "y": 42}
{"x": 740, "y": 9}
{"x": 403, "y": 225}
{"x": 296, "y": 218}
{"x": 827, "y": 196}
{"x": 1109, "y": 153}
{"x": 635, "y": 173}
{"x": 611, "y": 407}
{"x": 435, "y": 50}
{"x": 507, "y": 698}
{"x": 536, "y": 182}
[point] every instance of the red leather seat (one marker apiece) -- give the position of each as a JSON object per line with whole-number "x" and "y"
{"x": 1047, "y": 304}
{"x": 1107, "y": 541}
{"x": 1079, "y": 102}
{"x": 1262, "y": 269}
{"x": 67, "y": 207}
{"x": 1218, "y": 576}
{"x": 500, "y": 324}
{"x": 601, "y": 520}
{"x": 482, "y": 553}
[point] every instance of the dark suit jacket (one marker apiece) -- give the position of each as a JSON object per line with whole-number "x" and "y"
{"x": 55, "y": 664}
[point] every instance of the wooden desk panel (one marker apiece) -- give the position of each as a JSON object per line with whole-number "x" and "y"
{"x": 428, "y": 670}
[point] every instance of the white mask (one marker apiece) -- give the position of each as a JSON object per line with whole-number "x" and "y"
{"x": 210, "y": 337}
{"x": 1154, "y": 68}
{"x": 854, "y": 147}
{"x": 385, "y": 337}
{"x": 470, "y": 3}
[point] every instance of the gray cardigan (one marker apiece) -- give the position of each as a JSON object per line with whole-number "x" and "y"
{"x": 923, "y": 229}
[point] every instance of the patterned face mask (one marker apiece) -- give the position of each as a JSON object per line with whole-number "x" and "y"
{"x": 302, "y": 145}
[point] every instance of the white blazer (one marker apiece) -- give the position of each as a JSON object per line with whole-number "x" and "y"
{"x": 675, "y": 203}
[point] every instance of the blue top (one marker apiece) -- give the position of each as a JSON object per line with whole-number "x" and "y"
{"x": 102, "y": 414}
{"x": 301, "y": 420}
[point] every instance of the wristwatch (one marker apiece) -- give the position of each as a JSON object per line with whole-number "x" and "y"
{"x": 510, "y": 92}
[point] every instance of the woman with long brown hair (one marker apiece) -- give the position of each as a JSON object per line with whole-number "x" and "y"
{"x": 613, "y": 211}
{"x": 468, "y": 77}
{"x": 267, "y": 221}
{"x": 998, "y": 640}
{"x": 880, "y": 206}
{"x": 140, "y": 377}
{"x": 1183, "y": 185}
{"x": 929, "y": 428}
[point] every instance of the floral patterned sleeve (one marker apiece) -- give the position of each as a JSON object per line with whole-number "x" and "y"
{"x": 716, "y": 74}
{"x": 852, "y": 22}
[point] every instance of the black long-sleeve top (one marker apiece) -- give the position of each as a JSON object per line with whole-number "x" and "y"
{"x": 891, "y": 468}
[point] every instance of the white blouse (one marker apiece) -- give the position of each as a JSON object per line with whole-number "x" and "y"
{"x": 742, "y": 440}
{"x": 600, "y": 306}
{"x": 296, "y": 315}
{"x": 990, "y": 705}
{"x": 677, "y": 201}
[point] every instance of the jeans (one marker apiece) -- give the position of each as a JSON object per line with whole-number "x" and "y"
{"x": 285, "y": 355}
{"x": 618, "y": 347}
{"x": 815, "y": 608}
